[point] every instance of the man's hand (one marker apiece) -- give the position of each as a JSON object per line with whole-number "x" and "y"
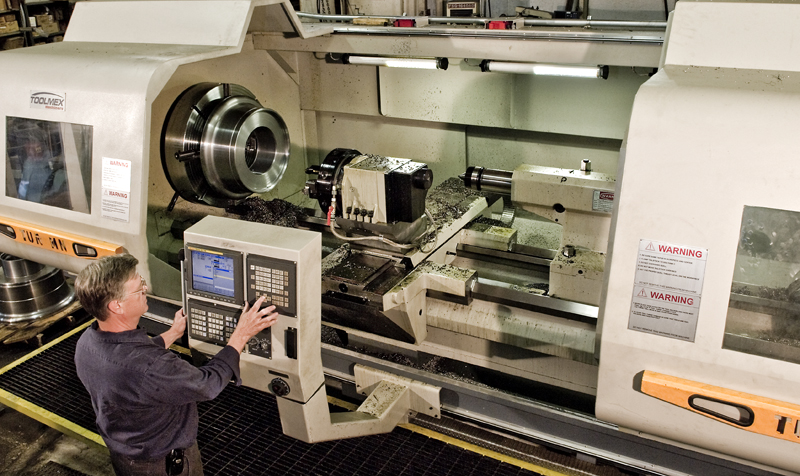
{"x": 251, "y": 322}
{"x": 176, "y": 331}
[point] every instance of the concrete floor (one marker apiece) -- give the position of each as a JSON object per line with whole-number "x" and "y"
{"x": 29, "y": 448}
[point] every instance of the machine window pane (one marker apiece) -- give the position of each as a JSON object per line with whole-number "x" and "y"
{"x": 764, "y": 310}
{"x": 49, "y": 163}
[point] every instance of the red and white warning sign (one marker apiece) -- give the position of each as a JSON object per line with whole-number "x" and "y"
{"x": 667, "y": 289}
{"x": 115, "y": 203}
{"x": 603, "y": 201}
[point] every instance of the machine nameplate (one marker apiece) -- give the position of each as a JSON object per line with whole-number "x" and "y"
{"x": 48, "y": 100}
{"x": 667, "y": 289}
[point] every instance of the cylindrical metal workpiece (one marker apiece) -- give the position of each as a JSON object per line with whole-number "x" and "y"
{"x": 14, "y": 267}
{"x": 487, "y": 180}
{"x": 29, "y": 290}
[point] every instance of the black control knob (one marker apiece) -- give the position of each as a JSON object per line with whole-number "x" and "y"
{"x": 258, "y": 345}
{"x": 279, "y": 387}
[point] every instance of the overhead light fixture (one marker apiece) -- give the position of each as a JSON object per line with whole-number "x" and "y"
{"x": 543, "y": 69}
{"x": 412, "y": 63}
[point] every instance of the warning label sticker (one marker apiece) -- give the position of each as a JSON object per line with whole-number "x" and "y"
{"x": 116, "y": 189}
{"x": 603, "y": 201}
{"x": 667, "y": 289}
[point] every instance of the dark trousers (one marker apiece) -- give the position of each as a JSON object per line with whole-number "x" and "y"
{"x": 124, "y": 466}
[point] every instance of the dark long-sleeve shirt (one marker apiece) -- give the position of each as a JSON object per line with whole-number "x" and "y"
{"x": 143, "y": 395}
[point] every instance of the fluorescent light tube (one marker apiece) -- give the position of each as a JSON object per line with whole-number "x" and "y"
{"x": 412, "y": 63}
{"x": 542, "y": 69}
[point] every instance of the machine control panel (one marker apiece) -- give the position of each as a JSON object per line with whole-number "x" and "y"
{"x": 213, "y": 273}
{"x": 275, "y": 279}
{"x": 210, "y": 322}
{"x": 213, "y": 323}
{"x": 261, "y": 344}
{"x": 216, "y": 280}
{"x": 230, "y": 262}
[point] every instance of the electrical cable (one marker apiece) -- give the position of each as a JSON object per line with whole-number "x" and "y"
{"x": 435, "y": 236}
{"x": 366, "y": 238}
{"x": 332, "y": 224}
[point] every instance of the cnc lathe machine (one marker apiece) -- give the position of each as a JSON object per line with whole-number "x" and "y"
{"x": 583, "y": 232}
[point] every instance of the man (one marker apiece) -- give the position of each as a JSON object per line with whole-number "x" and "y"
{"x": 143, "y": 395}
{"x": 43, "y": 176}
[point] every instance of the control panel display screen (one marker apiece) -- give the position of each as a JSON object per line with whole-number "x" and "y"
{"x": 215, "y": 274}
{"x": 212, "y": 273}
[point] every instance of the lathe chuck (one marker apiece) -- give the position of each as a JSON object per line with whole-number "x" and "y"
{"x": 219, "y": 145}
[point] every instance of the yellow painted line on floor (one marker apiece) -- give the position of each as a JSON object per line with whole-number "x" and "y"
{"x": 461, "y": 444}
{"x": 45, "y": 347}
{"x": 65, "y": 426}
{"x": 47, "y": 417}
{"x": 50, "y": 419}
{"x": 40, "y": 414}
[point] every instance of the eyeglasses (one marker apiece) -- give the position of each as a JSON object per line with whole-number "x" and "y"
{"x": 142, "y": 289}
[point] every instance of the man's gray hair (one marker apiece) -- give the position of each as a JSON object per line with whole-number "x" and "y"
{"x": 103, "y": 281}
